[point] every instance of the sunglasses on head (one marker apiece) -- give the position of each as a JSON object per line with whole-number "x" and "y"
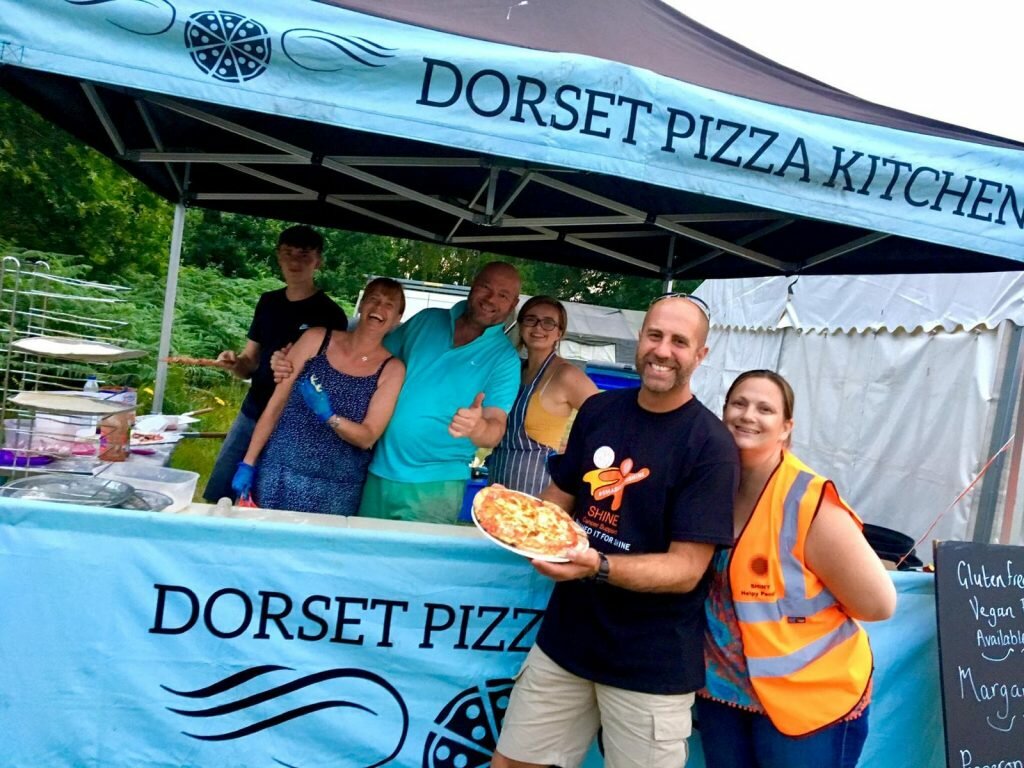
{"x": 544, "y": 322}
{"x": 701, "y": 304}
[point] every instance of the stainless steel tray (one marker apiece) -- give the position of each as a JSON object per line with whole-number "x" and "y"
{"x": 70, "y": 489}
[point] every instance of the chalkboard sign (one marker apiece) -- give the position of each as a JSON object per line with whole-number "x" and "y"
{"x": 979, "y": 594}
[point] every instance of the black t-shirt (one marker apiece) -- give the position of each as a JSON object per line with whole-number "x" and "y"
{"x": 641, "y": 480}
{"x": 278, "y": 322}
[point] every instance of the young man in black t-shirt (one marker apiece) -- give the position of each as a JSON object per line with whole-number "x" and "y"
{"x": 280, "y": 318}
{"x": 651, "y": 475}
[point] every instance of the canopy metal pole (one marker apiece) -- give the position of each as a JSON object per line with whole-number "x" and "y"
{"x": 170, "y": 295}
{"x": 1002, "y": 430}
{"x": 670, "y": 263}
{"x": 1010, "y": 503}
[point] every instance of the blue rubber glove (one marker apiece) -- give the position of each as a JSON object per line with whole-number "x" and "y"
{"x": 244, "y": 477}
{"x": 318, "y": 402}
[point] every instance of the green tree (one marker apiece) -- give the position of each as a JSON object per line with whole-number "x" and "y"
{"x": 232, "y": 244}
{"x": 350, "y": 257}
{"x": 589, "y": 285}
{"x": 61, "y": 196}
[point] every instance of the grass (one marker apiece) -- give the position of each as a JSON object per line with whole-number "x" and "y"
{"x": 199, "y": 454}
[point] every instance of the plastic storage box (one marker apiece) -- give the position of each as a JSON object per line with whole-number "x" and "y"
{"x": 613, "y": 378}
{"x": 473, "y": 485}
{"x": 179, "y": 484}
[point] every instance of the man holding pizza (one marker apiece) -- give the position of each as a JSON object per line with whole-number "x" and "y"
{"x": 650, "y": 474}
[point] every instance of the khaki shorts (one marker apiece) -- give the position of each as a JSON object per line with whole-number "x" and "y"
{"x": 553, "y": 717}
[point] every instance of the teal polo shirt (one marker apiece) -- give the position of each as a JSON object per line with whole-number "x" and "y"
{"x": 439, "y": 379}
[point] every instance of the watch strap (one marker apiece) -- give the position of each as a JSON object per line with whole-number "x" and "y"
{"x": 603, "y": 568}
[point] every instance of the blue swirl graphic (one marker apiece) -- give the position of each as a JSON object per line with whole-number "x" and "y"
{"x": 137, "y": 16}
{"x": 320, "y": 51}
{"x": 245, "y": 703}
{"x": 229, "y": 682}
{"x": 262, "y": 725}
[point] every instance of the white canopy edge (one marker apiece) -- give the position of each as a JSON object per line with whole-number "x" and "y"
{"x": 867, "y": 303}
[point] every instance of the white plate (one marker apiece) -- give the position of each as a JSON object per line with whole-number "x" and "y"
{"x": 75, "y": 349}
{"x": 59, "y": 402}
{"x": 166, "y": 439}
{"x": 158, "y": 422}
{"x": 525, "y": 552}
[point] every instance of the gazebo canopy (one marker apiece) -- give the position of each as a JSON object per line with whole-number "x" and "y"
{"x": 608, "y": 134}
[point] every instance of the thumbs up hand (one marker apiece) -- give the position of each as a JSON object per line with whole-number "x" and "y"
{"x": 466, "y": 420}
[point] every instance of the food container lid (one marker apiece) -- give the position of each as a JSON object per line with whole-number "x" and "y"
{"x": 70, "y": 489}
{"x": 148, "y": 501}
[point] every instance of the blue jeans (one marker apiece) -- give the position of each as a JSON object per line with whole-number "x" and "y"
{"x": 735, "y": 738}
{"x": 236, "y": 443}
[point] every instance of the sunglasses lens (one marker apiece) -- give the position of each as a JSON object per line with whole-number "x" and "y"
{"x": 701, "y": 304}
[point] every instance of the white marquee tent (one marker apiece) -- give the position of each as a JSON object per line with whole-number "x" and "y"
{"x": 905, "y": 386}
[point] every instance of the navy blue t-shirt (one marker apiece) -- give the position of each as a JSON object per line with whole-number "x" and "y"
{"x": 641, "y": 480}
{"x": 278, "y": 322}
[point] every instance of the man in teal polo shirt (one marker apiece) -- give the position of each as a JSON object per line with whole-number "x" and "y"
{"x": 462, "y": 376}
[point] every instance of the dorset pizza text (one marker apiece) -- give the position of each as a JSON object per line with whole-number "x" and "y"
{"x": 230, "y": 613}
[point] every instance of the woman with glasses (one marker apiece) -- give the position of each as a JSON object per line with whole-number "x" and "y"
{"x": 788, "y": 665}
{"x": 551, "y": 391}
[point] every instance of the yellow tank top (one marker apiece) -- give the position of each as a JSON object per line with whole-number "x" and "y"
{"x": 542, "y": 425}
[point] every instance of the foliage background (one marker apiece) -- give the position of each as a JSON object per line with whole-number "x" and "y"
{"x": 89, "y": 218}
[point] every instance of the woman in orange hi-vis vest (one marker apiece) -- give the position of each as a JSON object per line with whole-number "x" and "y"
{"x": 788, "y": 666}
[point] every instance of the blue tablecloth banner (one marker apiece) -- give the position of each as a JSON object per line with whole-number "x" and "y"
{"x": 148, "y": 639}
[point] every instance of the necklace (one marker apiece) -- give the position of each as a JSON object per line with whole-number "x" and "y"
{"x": 364, "y": 358}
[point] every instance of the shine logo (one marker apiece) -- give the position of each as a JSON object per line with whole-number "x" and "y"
{"x": 608, "y": 481}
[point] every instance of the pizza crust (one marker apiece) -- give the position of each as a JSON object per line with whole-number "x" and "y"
{"x": 528, "y": 525}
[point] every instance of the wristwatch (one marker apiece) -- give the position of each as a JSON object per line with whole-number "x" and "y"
{"x": 603, "y": 568}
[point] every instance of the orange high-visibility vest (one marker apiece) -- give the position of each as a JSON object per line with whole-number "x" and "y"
{"x": 809, "y": 662}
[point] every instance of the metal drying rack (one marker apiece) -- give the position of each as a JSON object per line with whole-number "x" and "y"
{"x": 34, "y": 302}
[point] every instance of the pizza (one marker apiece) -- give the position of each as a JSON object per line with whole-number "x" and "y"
{"x": 526, "y": 523}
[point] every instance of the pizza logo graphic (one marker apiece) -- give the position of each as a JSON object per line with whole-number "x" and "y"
{"x": 228, "y": 46}
{"x": 233, "y": 47}
{"x": 465, "y": 732}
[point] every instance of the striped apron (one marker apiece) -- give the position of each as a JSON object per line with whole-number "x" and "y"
{"x": 519, "y": 462}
